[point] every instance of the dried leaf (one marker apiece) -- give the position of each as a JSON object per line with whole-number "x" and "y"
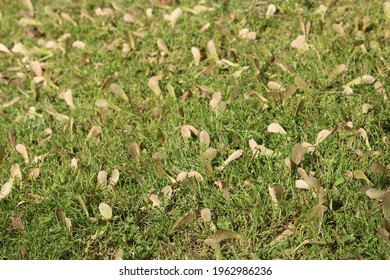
{"x": 235, "y": 155}
{"x": 323, "y": 134}
{"x": 23, "y": 252}
{"x": 379, "y": 168}
{"x": 78, "y": 44}
{"x": 212, "y": 50}
{"x": 68, "y": 225}
{"x": 4, "y": 49}
{"x": 5, "y": 190}
{"x": 185, "y": 132}
{"x": 26, "y": 21}
{"x": 153, "y": 84}
{"x": 209, "y": 169}
{"x": 129, "y": 18}
{"x": 34, "y": 173}
{"x": 181, "y": 176}
{"x": 134, "y": 151}
{"x": 209, "y": 154}
{"x": 386, "y": 9}
{"x": 320, "y": 209}
{"x": 95, "y": 131}
{"x": 299, "y": 108}
{"x": 314, "y": 183}
{"x": 17, "y": 223}
{"x": 204, "y": 138}
{"x": 205, "y": 27}
{"x": 37, "y": 198}
{"x": 36, "y": 68}
{"x": 272, "y": 193}
{"x": 301, "y": 184}
{"x": 199, "y": 8}
{"x": 193, "y": 130}
{"x": 196, "y": 54}
{"x": 363, "y": 134}
{"x": 105, "y": 211}
{"x": 67, "y": 17}
{"x": 374, "y": 154}
{"x": 125, "y": 48}
{"x": 338, "y": 70}
{"x": 15, "y": 172}
{"x": 379, "y": 88}
{"x": 366, "y": 22}
{"x": 206, "y": 215}
{"x": 339, "y": 29}
{"x": 12, "y": 138}
{"x": 290, "y": 165}
{"x": 270, "y": 10}
{"x": 154, "y": 198}
{"x": 217, "y": 106}
{"x": 114, "y": 177}
{"x": 223, "y": 189}
{"x": 274, "y": 86}
{"x": 119, "y": 91}
{"x": 358, "y": 174}
{"x": 58, "y": 214}
{"x": 149, "y": 12}
{"x": 297, "y": 153}
{"x": 276, "y": 193}
{"x": 365, "y": 79}
{"x": 105, "y": 12}
{"x": 60, "y": 117}
{"x": 10, "y": 103}
{"x": 299, "y": 43}
{"x": 174, "y": 16}
{"x": 195, "y": 174}
{"x": 102, "y": 178}
{"x": 260, "y": 149}
{"x": 113, "y": 46}
{"x": 195, "y": 255}
{"x": 246, "y": 34}
{"x": 213, "y": 243}
{"x": 285, "y": 234}
{"x": 383, "y": 233}
{"x": 67, "y": 96}
{"x": 215, "y": 100}
{"x": 290, "y": 91}
{"x": 374, "y": 193}
{"x": 276, "y": 128}
{"x": 119, "y": 255}
{"x": 223, "y": 234}
{"x": 84, "y": 14}
{"x": 309, "y": 147}
{"x": 167, "y": 190}
{"x": 253, "y": 145}
{"x": 104, "y": 104}
{"x": 367, "y": 107}
{"x": 265, "y": 151}
{"x": 183, "y": 221}
{"x": 162, "y": 46}
{"x": 386, "y": 206}
{"x": 82, "y": 204}
{"x": 280, "y": 191}
{"x": 302, "y": 173}
{"x": 20, "y": 148}
{"x": 73, "y": 163}
{"x": 20, "y": 48}
{"x": 171, "y": 91}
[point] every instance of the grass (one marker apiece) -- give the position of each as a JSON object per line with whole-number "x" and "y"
{"x": 351, "y": 222}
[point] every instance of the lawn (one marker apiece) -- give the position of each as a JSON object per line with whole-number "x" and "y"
{"x": 194, "y": 129}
